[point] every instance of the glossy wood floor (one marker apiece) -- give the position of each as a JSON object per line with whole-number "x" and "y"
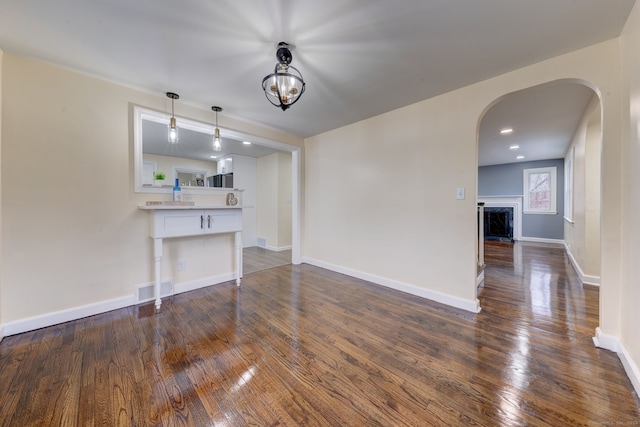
{"x": 257, "y": 259}
{"x": 302, "y": 346}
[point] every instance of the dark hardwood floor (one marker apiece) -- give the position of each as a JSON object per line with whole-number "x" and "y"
{"x": 257, "y": 259}
{"x": 303, "y": 346}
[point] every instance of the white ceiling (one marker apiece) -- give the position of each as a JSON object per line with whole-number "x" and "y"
{"x": 359, "y": 58}
{"x": 543, "y": 119}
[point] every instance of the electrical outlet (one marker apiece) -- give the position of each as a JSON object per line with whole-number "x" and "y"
{"x": 182, "y": 265}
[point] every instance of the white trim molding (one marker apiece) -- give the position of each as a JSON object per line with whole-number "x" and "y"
{"x": 56, "y": 317}
{"x": 612, "y": 343}
{"x": 1, "y": 332}
{"x": 75, "y": 313}
{"x": 632, "y": 370}
{"x": 553, "y": 189}
{"x": 584, "y": 278}
{"x": 542, "y": 240}
{"x": 608, "y": 342}
{"x": 464, "y": 304}
{"x": 203, "y": 283}
{"x": 277, "y": 248}
{"x": 514, "y": 202}
{"x": 480, "y": 278}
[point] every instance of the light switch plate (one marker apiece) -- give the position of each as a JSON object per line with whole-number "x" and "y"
{"x": 460, "y": 193}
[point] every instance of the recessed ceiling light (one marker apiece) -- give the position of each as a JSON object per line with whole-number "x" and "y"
{"x": 506, "y": 131}
{"x": 520, "y": 157}
{"x": 246, "y": 142}
{"x": 514, "y": 147}
{"x": 213, "y": 157}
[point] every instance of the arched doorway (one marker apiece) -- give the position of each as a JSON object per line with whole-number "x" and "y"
{"x": 557, "y": 125}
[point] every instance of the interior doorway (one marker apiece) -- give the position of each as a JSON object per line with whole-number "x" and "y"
{"x": 555, "y": 125}
{"x": 276, "y": 197}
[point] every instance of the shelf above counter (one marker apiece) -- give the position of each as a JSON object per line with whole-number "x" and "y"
{"x": 173, "y": 207}
{"x": 189, "y": 189}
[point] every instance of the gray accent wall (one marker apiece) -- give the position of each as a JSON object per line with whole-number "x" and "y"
{"x": 506, "y": 180}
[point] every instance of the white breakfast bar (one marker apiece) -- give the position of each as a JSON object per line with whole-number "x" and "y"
{"x": 179, "y": 221}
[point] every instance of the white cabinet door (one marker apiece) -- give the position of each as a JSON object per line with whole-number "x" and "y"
{"x": 178, "y": 223}
{"x": 222, "y": 221}
{"x": 225, "y": 165}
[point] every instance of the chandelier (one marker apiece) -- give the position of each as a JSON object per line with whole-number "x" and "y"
{"x": 284, "y": 86}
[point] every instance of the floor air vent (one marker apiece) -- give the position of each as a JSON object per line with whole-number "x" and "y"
{"x": 261, "y": 242}
{"x": 145, "y": 292}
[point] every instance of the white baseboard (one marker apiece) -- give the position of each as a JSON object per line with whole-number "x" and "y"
{"x": 75, "y": 313}
{"x": 278, "y": 248}
{"x": 202, "y": 283}
{"x": 49, "y": 319}
{"x": 464, "y": 304}
{"x": 1, "y": 332}
{"x": 541, "y": 240}
{"x": 610, "y": 342}
{"x": 584, "y": 278}
{"x": 480, "y": 278}
{"x": 630, "y": 367}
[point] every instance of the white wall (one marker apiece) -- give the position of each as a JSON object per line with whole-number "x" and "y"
{"x": 629, "y": 296}
{"x": 593, "y": 206}
{"x": 396, "y": 219}
{"x": 267, "y": 199}
{"x": 405, "y": 228}
{"x": 274, "y": 200}
{"x": 582, "y": 237}
{"x": 284, "y": 200}
{"x": 244, "y": 176}
{"x": 1, "y": 259}
{"x": 71, "y": 242}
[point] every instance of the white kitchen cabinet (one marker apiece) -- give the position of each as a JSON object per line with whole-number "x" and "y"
{"x": 225, "y": 165}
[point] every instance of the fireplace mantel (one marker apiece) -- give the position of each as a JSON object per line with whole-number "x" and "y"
{"x": 514, "y": 202}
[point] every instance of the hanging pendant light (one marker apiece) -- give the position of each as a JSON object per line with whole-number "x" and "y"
{"x": 284, "y": 86}
{"x": 217, "y": 146}
{"x": 173, "y": 128}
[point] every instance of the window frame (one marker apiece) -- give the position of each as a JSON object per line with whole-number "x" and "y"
{"x": 553, "y": 175}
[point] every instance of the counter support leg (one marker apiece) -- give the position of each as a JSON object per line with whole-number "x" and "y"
{"x": 238, "y": 257}
{"x": 157, "y": 254}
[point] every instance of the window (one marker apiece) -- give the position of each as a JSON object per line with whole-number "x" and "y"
{"x": 540, "y": 191}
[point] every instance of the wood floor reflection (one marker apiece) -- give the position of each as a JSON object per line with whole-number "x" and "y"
{"x": 257, "y": 259}
{"x": 303, "y": 346}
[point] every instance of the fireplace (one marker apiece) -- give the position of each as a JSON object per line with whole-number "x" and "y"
{"x": 515, "y": 220}
{"x": 498, "y": 224}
